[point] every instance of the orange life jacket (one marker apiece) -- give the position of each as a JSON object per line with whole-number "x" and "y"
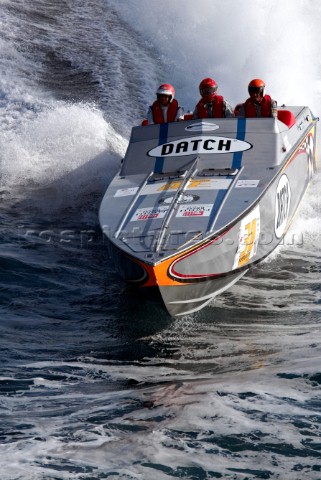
{"x": 250, "y": 110}
{"x": 172, "y": 110}
{"x": 217, "y": 108}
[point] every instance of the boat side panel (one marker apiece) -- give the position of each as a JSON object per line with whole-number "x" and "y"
{"x": 259, "y": 232}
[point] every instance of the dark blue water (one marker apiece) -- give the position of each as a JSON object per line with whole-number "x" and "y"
{"x": 95, "y": 383}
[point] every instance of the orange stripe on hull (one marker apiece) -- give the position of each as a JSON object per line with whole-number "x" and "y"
{"x": 158, "y": 274}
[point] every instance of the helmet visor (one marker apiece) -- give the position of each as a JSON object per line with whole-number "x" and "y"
{"x": 256, "y": 90}
{"x": 164, "y": 99}
{"x": 163, "y": 95}
{"x": 208, "y": 90}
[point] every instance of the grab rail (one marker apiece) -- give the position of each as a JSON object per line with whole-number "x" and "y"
{"x": 131, "y": 206}
{"x": 173, "y": 205}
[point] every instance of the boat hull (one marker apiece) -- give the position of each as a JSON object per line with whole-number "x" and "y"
{"x": 236, "y": 220}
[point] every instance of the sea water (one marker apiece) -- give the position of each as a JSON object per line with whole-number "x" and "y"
{"x": 94, "y": 383}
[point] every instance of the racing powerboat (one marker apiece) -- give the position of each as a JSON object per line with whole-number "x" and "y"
{"x": 198, "y": 202}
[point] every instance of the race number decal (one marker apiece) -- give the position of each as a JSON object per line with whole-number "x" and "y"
{"x": 248, "y": 238}
{"x": 282, "y": 206}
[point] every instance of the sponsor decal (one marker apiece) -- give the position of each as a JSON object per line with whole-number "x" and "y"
{"x": 181, "y": 199}
{"x": 194, "y": 210}
{"x": 248, "y": 238}
{"x": 310, "y": 153}
{"x": 282, "y": 205}
{"x": 202, "y": 127}
{"x": 150, "y": 213}
{"x": 195, "y": 184}
{"x": 307, "y": 146}
{"x": 199, "y": 145}
{"x": 125, "y": 192}
{"x": 153, "y": 188}
{"x": 210, "y": 184}
{"x": 247, "y": 183}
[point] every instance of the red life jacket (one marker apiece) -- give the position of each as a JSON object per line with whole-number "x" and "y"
{"x": 171, "y": 111}
{"x": 250, "y": 110}
{"x": 217, "y": 108}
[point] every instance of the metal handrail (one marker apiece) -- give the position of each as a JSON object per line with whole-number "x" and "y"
{"x": 131, "y": 206}
{"x": 174, "y": 204}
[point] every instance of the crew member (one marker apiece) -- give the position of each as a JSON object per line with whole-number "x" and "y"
{"x": 211, "y": 105}
{"x": 165, "y": 108}
{"x": 258, "y": 104}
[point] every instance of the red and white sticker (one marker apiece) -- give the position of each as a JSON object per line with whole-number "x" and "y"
{"x": 195, "y": 210}
{"x": 150, "y": 213}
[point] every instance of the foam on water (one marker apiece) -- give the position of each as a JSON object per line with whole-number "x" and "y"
{"x": 175, "y": 425}
{"x": 55, "y": 142}
{"x": 43, "y": 138}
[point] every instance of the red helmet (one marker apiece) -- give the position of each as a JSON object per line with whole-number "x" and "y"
{"x": 166, "y": 89}
{"x": 208, "y": 88}
{"x": 256, "y": 85}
